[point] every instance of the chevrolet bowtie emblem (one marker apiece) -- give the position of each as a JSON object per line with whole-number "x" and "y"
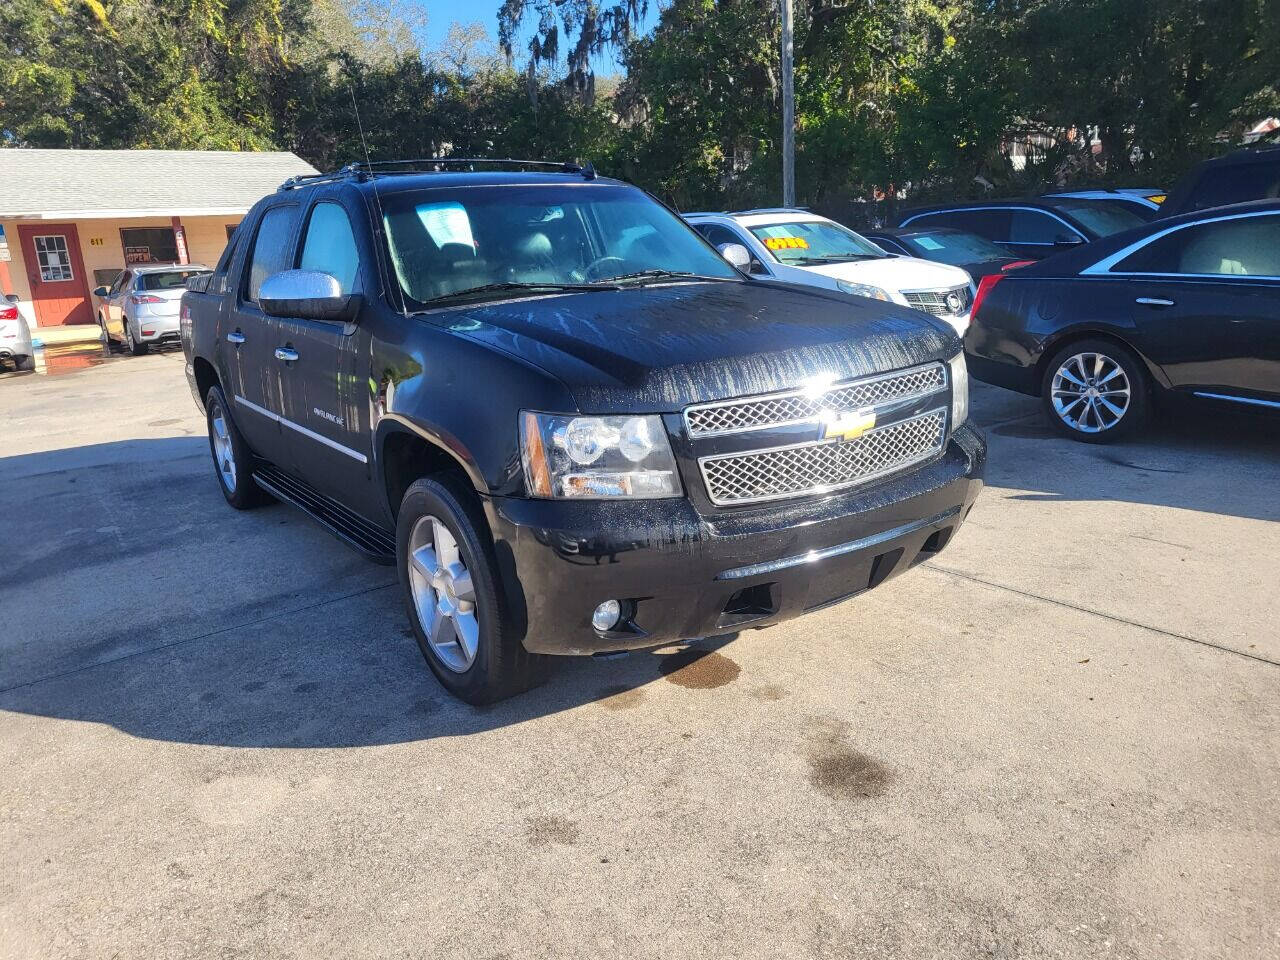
{"x": 847, "y": 426}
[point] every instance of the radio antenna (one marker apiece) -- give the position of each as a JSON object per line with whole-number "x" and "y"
{"x": 377, "y": 198}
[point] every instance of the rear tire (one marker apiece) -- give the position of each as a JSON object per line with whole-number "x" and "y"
{"x": 1096, "y": 391}
{"x": 451, "y": 589}
{"x": 135, "y": 348}
{"x": 232, "y": 459}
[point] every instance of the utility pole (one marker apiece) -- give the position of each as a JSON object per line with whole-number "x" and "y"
{"x": 788, "y": 112}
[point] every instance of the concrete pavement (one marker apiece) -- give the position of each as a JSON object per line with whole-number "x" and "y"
{"x": 218, "y": 738}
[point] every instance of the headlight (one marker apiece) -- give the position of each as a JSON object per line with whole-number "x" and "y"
{"x": 597, "y": 457}
{"x": 863, "y": 290}
{"x": 959, "y": 390}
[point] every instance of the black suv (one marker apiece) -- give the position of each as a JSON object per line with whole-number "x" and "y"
{"x": 1029, "y": 229}
{"x": 574, "y": 427}
{"x": 1238, "y": 177}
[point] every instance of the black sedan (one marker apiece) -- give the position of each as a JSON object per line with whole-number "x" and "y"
{"x": 1188, "y": 305}
{"x": 944, "y": 245}
{"x": 1029, "y": 229}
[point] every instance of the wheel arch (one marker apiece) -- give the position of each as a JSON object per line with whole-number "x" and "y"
{"x": 1078, "y": 334}
{"x": 407, "y": 451}
{"x": 206, "y": 377}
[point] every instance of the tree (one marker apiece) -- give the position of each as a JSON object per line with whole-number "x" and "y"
{"x": 587, "y": 28}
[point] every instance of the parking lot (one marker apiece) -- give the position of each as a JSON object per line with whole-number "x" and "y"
{"x": 1061, "y": 737}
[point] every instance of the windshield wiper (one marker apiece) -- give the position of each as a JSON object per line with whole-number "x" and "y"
{"x": 514, "y": 285}
{"x": 641, "y": 276}
{"x": 841, "y": 258}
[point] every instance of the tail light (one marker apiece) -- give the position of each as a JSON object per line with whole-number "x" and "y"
{"x": 985, "y": 286}
{"x": 9, "y": 313}
{"x": 1016, "y": 264}
{"x": 145, "y": 298}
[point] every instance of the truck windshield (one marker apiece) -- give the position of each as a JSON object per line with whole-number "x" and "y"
{"x": 449, "y": 241}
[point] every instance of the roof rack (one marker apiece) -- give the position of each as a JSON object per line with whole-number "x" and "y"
{"x": 743, "y": 213}
{"x": 362, "y": 170}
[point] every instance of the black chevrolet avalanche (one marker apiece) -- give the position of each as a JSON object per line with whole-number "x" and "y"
{"x": 570, "y": 423}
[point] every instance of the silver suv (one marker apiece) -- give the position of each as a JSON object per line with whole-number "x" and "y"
{"x": 141, "y": 307}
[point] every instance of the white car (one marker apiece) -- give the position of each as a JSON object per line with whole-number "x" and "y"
{"x": 15, "y": 334}
{"x": 796, "y": 246}
{"x": 141, "y": 307}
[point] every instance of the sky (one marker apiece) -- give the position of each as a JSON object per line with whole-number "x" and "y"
{"x": 440, "y": 13}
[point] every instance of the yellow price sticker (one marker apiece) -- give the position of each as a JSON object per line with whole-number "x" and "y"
{"x": 786, "y": 243}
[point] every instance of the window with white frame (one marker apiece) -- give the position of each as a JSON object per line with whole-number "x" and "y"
{"x": 54, "y": 260}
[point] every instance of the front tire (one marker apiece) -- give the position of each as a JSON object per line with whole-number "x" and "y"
{"x": 450, "y": 584}
{"x": 1096, "y": 391}
{"x": 232, "y": 459}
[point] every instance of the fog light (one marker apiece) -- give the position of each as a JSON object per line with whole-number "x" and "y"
{"x": 607, "y": 616}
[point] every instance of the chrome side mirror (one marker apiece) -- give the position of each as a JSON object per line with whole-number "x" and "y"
{"x": 308, "y": 295}
{"x": 736, "y": 254}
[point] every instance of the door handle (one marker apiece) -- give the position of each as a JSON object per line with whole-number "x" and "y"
{"x": 236, "y": 337}
{"x": 1154, "y": 302}
{"x": 287, "y": 354}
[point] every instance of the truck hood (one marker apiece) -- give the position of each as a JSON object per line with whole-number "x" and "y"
{"x": 656, "y": 349}
{"x": 895, "y": 273}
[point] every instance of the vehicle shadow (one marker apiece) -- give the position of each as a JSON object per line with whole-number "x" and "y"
{"x": 135, "y": 598}
{"x": 362, "y": 684}
{"x": 1189, "y": 456}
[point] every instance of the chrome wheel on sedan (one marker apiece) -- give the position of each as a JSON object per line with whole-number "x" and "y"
{"x": 1091, "y": 392}
{"x": 224, "y": 454}
{"x": 444, "y": 597}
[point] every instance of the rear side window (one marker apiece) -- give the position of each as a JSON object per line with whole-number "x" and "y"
{"x": 330, "y": 246}
{"x": 717, "y": 235}
{"x": 1244, "y": 247}
{"x": 993, "y": 224}
{"x": 1236, "y": 184}
{"x": 271, "y": 249}
{"x": 1032, "y": 226}
{"x": 890, "y": 245}
{"x": 219, "y": 282}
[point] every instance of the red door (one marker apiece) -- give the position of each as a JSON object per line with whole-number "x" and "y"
{"x": 55, "y": 271}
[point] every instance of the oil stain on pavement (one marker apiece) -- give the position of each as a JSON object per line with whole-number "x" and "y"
{"x": 699, "y": 669}
{"x": 620, "y": 697}
{"x": 844, "y": 773}
{"x": 544, "y": 831}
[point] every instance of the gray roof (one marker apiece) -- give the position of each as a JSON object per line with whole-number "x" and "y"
{"x": 61, "y": 184}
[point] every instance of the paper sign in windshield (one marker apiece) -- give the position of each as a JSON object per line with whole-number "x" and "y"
{"x": 786, "y": 243}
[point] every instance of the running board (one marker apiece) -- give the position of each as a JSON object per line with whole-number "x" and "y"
{"x": 374, "y": 542}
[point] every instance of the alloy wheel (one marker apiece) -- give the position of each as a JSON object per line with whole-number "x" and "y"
{"x": 224, "y": 456}
{"x": 1091, "y": 392}
{"x": 443, "y": 594}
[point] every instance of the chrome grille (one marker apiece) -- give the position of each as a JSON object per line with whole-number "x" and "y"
{"x": 935, "y": 301}
{"x": 801, "y": 406}
{"x": 823, "y": 465}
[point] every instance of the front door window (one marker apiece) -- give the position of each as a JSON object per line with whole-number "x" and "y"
{"x": 54, "y": 260}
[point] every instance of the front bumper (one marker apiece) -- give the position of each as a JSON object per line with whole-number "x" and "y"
{"x": 684, "y": 575}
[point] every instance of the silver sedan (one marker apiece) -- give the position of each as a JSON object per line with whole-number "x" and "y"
{"x": 141, "y": 307}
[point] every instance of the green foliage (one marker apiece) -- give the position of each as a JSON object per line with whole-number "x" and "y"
{"x": 918, "y": 96}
